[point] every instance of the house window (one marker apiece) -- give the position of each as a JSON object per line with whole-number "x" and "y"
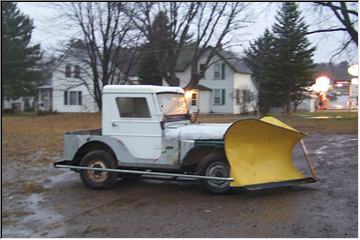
{"x": 194, "y": 99}
{"x": 68, "y": 71}
{"x": 77, "y": 71}
{"x": 133, "y": 107}
{"x": 219, "y": 71}
{"x": 72, "y": 98}
{"x": 219, "y": 96}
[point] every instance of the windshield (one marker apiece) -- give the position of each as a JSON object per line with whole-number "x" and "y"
{"x": 172, "y": 103}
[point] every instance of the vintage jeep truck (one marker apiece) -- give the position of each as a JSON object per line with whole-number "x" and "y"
{"x": 146, "y": 131}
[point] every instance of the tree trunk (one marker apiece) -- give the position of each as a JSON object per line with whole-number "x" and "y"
{"x": 172, "y": 80}
{"x": 98, "y": 99}
{"x": 195, "y": 76}
{"x": 2, "y": 103}
{"x": 295, "y": 106}
{"x": 99, "y": 103}
{"x": 288, "y": 106}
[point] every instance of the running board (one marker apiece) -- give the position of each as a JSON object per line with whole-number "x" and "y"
{"x": 144, "y": 172}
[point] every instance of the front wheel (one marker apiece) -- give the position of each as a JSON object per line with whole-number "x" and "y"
{"x": 98, "y": 179}
{"x": 215, "y": 167}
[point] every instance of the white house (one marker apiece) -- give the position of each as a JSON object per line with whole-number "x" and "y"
{"x": 67, "y": 90}
{"x": 309, "y": 103}
{"x": 226, "y": 88}
{"x": 20, "y": 104}
{"x": 70, "y": 87}
{"x": 226, "y": 85}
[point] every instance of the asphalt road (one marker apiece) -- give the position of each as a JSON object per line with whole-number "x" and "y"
{"x": 55, "y": 203}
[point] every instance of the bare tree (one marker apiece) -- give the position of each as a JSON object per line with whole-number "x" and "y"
{"x": 107, "y": 37}
{"x": 179, "y": 16}
{"x": 346, "y": 15}
{"x": 214, "y": 23}
{"x": 194, "y": 27}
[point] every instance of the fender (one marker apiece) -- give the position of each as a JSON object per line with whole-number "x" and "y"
{"x": 201, "y": 149}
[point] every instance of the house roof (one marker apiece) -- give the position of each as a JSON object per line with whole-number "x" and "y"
{"x": 234, "y": 61}
{"x": 202, "y": 88}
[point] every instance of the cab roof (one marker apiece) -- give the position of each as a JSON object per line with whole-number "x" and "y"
{"x": 140, "y": 89}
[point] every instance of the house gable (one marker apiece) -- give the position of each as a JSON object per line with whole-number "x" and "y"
{"x": 72, "y": 86}
{"x": 225, "y": 74}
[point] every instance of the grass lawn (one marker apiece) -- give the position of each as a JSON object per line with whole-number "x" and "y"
{"x": 320, "y": 122}
{"x": 22, "y": 135}
{"x": 323, "y": 122}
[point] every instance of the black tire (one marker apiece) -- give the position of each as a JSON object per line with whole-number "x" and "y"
{"x": 216, "y": 166}
{"x": 98, "y": 179}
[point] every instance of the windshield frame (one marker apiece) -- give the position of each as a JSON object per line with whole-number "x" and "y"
{"x": 174, "y": 117}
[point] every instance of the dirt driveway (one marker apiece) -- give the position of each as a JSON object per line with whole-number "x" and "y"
{"x": 40, "y": 201}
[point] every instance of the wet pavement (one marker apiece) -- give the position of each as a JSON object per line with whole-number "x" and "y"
{"x": 39, "y": 201}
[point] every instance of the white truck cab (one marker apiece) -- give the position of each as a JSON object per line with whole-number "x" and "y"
{"x": 136, "y": 115}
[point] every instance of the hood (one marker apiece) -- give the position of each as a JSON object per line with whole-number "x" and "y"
{"x": 197, "y": 131}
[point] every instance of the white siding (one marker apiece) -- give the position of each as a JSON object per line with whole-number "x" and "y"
{"x": 62, "y": 83}
{"x": 204, "y": 101}
{"x": 210, "y": 82}
{"x": 307, "y": 105}
{"x": 243, "y": 81}
{"x": 226, "y": 84}
{"x": 232, "y": 81}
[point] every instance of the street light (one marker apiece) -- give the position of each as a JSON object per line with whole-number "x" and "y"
{"x": 322, "y": 84}
{"x": 353, "y": 70}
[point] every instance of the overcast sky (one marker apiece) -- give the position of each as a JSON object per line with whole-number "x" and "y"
{"x": 51, "y": 33}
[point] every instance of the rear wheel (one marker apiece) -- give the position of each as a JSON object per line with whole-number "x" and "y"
{"x": 215, "y": 166}
{"x": 94, "y": 178}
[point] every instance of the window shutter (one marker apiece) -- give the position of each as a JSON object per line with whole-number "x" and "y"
{"x": 216, "y": 71}
{"x": 223, "y": 71}
{"x": 68, "y": 71}
{"x": 79, "y": 98}
{"x": 77, "y": 71}
{"x": 223, "y": 96}
{"x": 65, "y": 97}
{"x": 237, "y": 96}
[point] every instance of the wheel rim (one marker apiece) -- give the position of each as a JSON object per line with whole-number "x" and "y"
{"x": 96, "y": 175}
{"x": 218, "y": 170}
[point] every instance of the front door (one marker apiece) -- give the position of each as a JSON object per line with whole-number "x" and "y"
{"x": 135, "y": 123}
{"x": 194, "y": 102}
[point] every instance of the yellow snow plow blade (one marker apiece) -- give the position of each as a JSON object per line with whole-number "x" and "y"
{"x": 260, "y": 153}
